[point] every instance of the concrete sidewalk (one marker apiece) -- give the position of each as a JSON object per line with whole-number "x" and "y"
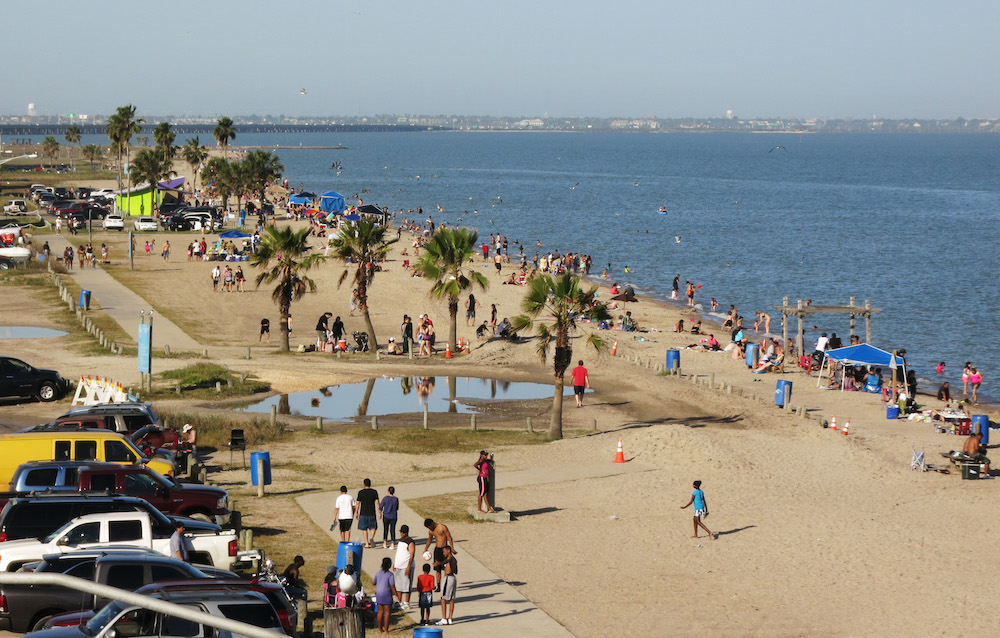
{"x": 485, "y": 605}
{"x": 121, "y": 304}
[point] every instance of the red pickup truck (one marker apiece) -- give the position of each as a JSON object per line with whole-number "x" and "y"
{"x": 203, "y": 502}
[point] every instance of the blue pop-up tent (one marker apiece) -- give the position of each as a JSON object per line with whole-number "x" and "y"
{"x": 864, "y": 354}
{"x": 233, "y": 234}
{"x": 301, "y": 198}
{"x": 331, "y": 202}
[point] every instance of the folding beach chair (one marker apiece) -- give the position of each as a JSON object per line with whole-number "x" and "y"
{"x": 918, "y": 462}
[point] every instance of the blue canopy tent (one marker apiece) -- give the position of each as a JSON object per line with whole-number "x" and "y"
{"x": 301, "y": 198}
{"x": 331, "y": 202}
{"x": 863, "y": 354}
{"x": 233, "y": 234}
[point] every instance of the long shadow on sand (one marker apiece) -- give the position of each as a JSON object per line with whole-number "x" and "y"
{"x": 735, "y": 530}
{"x": 534, "y": 512}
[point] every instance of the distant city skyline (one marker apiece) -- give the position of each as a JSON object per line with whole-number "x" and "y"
{"x": 633, "y": 59}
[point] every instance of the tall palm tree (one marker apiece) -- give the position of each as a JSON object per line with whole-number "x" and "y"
{"x": 283, "y": 255}
{"x": 194, "y": 154}
{"x": 561, "y": 301}
{"x": 260, "y": 168}
{"x": 223, "y": 132}
{"x": 72, "y": 136}
{"x": 223, "y": 175}
{"x": 121, "y": 127}
{"x": 149, "y": 166}
{"x": 92, "y": 153}
{"x": 444, "y": 255}
{"x": 50, "y": 147}
{"x": 363, "y": 246}
{"x": 164, "y": 139}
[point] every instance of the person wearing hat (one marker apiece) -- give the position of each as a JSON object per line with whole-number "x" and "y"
{"x": 189, "y": 437}
{"x": 393, "y": 347}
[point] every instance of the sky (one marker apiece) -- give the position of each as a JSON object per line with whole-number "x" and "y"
{"x": 630, "y": 58}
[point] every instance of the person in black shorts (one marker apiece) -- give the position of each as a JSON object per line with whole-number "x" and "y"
{"x": 265, "y": 329}
{"x": 368, "y": 508}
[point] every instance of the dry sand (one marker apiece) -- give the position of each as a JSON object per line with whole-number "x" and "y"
{"x": 820, "y": 534}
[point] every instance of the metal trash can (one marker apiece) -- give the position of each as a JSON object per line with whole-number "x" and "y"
{"x": 266, "y": 457}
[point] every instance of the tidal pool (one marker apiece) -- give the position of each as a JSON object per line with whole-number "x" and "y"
{"x": 28, "y": 332}
{"x": 402, "y": 395}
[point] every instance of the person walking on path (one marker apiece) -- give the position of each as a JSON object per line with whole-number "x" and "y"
{"x": 367, "y": 511}
{"x": 425, "y": 585}
{"x": 441, "y": 537}
{"x": 402, "y": 565}
{"x": 700, "y": 509}
{"x": 265, "y": 329}
{"x": 385, "y": 592}
{"x": 345, "y": 506}
{"x": 388, "y": 511}
{"x": 581, "y": 381}
{"x": 450, "y": 565}
{"x": 483, "y": 466}
{"x": 166, "y": 251}
{"x": 216, "y": 275}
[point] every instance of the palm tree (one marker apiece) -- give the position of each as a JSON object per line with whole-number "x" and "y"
{"x": 92, "y": 152}
{"x": 164, "y": 138}
{"x": 149, "y": 166}
{"x": 50, "y": 147}
{"x": 121, "y": 127}
{"x": 223, "y": 175}
{"x": 287, "y": 249}
{"x": 364, "y": 246}
{"x": 445, "y": 254}
{"x": 561, "y": 300}
{"x": 72, "y": 135}
{"x": 194, "y": 154}
{"x": 224, "y": 131}
{"x": 260, "y": 168}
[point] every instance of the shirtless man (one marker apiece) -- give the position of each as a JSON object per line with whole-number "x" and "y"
{"x": 973, "y": 448}
{"x": 441, "y": 538}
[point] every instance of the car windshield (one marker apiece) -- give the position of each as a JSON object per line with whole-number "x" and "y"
{"x": 102, "y": 618}
{"x": 56, "y": 534}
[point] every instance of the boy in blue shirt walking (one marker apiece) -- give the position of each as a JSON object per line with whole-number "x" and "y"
{"x": 700, "y": 509}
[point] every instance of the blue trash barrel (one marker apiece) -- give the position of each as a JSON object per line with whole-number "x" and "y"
{"x": 266, "y": 456}
{"x": 85, "y": 299}
{"x": 673, "y": 359}
{"x": 892, "y": 412}
{"x": 782, "y": 393}
{"x": 428, "y": 632}
{"x": 981, "y": 424}
{"x": 753, "y": 353}
{"x": 343, "y": 549}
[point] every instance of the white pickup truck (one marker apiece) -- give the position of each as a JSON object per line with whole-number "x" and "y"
{"x": 132, "y": 529}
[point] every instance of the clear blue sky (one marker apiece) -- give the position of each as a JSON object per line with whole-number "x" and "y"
{"x": 843, "y": 58}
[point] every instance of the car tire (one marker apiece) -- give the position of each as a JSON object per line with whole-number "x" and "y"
{"x": 47, "y": 392}
{"x": 6, "y": 264}
{"x": 40, "y": 623}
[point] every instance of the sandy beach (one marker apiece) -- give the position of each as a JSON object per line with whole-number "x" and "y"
{"x": 820, "y": 534}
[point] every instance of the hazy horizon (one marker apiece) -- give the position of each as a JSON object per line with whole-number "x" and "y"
{"x": 638, "y": 58}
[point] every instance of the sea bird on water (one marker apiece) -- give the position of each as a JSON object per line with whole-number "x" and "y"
{"x": 776, "y": 148}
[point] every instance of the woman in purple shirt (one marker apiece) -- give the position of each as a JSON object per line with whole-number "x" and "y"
{"x": 390, "y": 509}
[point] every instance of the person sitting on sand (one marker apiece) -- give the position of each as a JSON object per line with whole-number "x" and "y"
{"x": 696, "y": 327}
{"x": 873, "y": 382}
{"x": 393, "y": 347}
{"x": 679, "y": 327}
{"x": 944, "y": 392}
{"x": 482, "y": 330}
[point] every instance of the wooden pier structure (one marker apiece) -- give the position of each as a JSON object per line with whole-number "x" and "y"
{"x": 802, "y": 309}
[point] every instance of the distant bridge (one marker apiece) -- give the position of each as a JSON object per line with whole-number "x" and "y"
{"x": 200, "y": 129}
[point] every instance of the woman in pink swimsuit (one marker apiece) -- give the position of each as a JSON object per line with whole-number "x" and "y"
{"x": 965, "y": 378}
{"x": 975, "y": 379}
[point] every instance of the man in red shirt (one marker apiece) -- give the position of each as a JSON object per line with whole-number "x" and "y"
{"x": 581, "y": 380}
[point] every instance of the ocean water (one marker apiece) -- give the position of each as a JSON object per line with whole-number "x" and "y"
{"x": 909, "y": 222}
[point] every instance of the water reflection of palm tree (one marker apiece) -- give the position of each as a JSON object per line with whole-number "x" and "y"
{"x": 452, "y": 393}
{"x": 283, "y": 407}
{"x": 363, "y": 408}
{"x": 493, "y": 388}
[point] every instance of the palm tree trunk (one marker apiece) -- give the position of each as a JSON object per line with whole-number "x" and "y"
{"x": 363, "y": 303}
{"x": 555, "y": 425}
{"x": 285, "y": 310}
{"x": 363, "y": 408}
{"x": 453, "y": 328}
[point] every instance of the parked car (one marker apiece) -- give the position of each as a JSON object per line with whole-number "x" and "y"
{"x": 145, "y": 224}
{"x": 202, "y": 502}
{"x": 133, "y": 529}
{"x": 36, "y": 515}
{"x": 19, "y": 379}
{"x": 129, "y": 416}
{"x": 114, "y": 222}
{"x": 45, "y": 200}
{"x": 16, "y": 207}
{"x": 27, "y": 607}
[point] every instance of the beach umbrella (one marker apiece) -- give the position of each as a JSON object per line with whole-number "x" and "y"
{"x": 624, "y": 296}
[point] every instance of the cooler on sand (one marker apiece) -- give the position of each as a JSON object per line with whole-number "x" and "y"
{"x": 892, "y": 412}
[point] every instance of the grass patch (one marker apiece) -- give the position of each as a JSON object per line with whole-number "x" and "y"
{"x": 446, "y": 507}
{"x": 214, "y": 429}
{"x": 420, "y": 441}
{"x": 200, "y": 379}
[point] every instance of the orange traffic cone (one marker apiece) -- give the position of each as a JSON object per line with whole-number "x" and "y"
{"x": 847, "y": 426}
{"x": 461, "y": 344}
{"x": 833, "y": 423}
{"x": 614, "y": 348}
{"x": 620, "y": 455}
{"x": 447, "y": 351}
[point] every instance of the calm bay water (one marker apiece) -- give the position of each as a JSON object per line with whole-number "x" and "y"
{"x": 907, "y": 221}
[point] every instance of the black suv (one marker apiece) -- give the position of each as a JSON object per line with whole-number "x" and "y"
{"x": 19, "y": 379}
{"x": 38, "y": 515}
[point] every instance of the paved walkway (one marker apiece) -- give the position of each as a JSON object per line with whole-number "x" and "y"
{"x": 486, "y": 605}
{"x": 123, "y": 305}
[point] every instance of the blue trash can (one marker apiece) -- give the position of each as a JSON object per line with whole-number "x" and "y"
{"x": 981, "y": 424}
{"x": 892, "y": 412}
{"x": 673, "y": 360}
{"x": 753, "y": 353}
{"x": 254, "y": 478}
{"x": 343, "y": 549}
{"x": 782, "y": 393}
{"x": 85, "y": 299}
